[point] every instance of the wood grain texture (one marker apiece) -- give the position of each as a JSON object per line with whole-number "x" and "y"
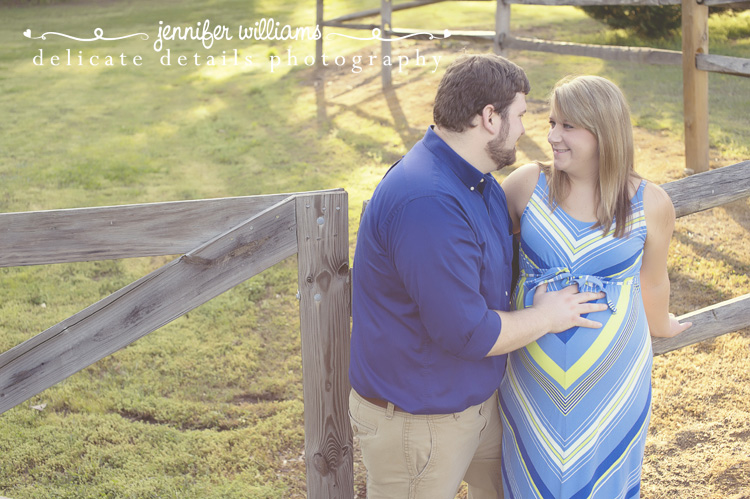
{"x": 324, "y": 287}
{"x": 376, "y": 12}
{"x": 709, "y": 189}
{"x": 386, "y": 11}
{"x": 320, "y": 21}
{"x": 147, "y": 304}
{"x": 502, "y": 27}
{"x": 695, "y": 85}
{"x": 583, "y": 3}
{"x": 423, "y": 34}
{"x": 723, "y": 64}
{"x": 87, "y": 234}
{"x": 722, "y": 2}
{"x": 607, "y": 52}
{"x": 722, "y": 318}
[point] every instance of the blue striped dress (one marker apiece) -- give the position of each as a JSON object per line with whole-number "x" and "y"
{"x": 576, "y": 405}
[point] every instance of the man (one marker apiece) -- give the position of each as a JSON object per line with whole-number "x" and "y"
{"x": 431, "y": 299}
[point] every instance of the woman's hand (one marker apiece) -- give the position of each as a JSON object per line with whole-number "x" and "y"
{"x": 675, "y": 328}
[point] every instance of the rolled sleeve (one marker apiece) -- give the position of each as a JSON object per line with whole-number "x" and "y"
{"x": 439, "y": 259}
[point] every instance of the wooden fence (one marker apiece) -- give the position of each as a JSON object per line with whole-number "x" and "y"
{"x": 224, "y": 242}
{"x": 695, "y": 60}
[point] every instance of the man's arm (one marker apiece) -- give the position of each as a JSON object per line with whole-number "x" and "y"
{"x": 438, "y": 260}
{"x": 551, "y": 312}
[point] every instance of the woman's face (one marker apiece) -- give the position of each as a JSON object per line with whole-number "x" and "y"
{"x": 575, "y": 149}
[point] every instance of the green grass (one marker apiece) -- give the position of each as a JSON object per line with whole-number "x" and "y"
{"x": 211, "y": 405}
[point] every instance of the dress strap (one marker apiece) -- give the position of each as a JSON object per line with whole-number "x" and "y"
{"x": 542, "y": 188}
{"x": 638, "y": 197}
{"x": 636, "y": 202}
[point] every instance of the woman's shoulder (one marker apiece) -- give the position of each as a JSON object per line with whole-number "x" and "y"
{"x": 657, "y": 204}
{"x": 524, "y": 175}
{"x": 518, "y": 188}
{"x": 655, "y": 193}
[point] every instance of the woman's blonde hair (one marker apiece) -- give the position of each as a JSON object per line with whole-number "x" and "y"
{"x": 597, "y": 105}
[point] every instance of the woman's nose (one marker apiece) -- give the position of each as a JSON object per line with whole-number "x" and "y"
{"x": 553, "y": 136}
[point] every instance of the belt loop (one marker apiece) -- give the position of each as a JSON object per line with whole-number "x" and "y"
{"x": 389, "y": 410}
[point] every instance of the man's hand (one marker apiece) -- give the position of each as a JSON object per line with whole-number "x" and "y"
{"x": 551, "y": 312}
{"x": 563, "y": 309}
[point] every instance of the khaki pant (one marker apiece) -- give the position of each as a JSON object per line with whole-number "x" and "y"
{"x": 425, "y": 457}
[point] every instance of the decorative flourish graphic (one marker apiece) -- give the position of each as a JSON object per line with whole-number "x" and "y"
{"x": 376, "y": 36}
{"x": 98, "y": 35}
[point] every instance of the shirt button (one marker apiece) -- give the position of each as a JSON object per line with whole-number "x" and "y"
{"x": 481, "y": 180}
{"x": 471, "y": 188}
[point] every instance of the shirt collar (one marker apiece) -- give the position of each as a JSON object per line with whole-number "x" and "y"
{"x": 472, "y": 178}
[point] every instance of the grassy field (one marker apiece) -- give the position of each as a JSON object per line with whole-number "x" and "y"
{"x": 211, "y": 405}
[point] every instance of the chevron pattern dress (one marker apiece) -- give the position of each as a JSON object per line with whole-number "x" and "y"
{"x": 576, "y": 405}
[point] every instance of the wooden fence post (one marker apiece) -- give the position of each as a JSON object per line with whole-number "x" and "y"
{"x": 319, "y": 41}
{"x": 695, "y": 85}
{"x": 502, "y": 27}
{"x": 323, "y": 261}
{"x": 386, "y": 11}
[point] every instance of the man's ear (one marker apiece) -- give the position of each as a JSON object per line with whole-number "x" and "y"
{"x": 490, "y": 119}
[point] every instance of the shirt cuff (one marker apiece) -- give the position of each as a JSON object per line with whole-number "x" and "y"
{"x": 484, "y": 337}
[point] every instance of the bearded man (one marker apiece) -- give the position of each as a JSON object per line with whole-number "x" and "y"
{"x": 431, "y": 310}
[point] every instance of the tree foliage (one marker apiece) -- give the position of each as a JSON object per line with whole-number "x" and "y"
{"x": 646, "y": 21}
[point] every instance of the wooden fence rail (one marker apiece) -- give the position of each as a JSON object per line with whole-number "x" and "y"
{"x": 694, "y": 57}
{"x": 83, "y": 234}
{"x": 696, "y": 193}
{"x": 228, "y": 241}
{"x": 226, "y": 248}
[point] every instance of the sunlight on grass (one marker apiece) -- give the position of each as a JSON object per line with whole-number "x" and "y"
{"x": 211, "y": 405}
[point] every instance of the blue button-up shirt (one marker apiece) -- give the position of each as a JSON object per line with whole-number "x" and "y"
{"x": 433, "y": 260}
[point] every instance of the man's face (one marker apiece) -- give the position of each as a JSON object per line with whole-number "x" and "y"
{"x": 502, "y": 149}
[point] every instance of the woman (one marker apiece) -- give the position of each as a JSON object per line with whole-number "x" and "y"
{"x": 576, "y": 405}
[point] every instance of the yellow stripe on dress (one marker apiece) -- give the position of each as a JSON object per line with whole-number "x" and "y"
{"x": 565, "y": 378}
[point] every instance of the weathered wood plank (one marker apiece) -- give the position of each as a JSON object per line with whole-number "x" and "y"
{"x": 323, "y": 260}
{"x": 723, "y": 64}
{"x": 695, "y": 86}
{"x": 709, "y": 189}
{"x": 147, "y": 304}
{"x": 722, "y": 2}
{"x": 108, "y": 232}
{"x": 386, "y": 11}
{"x": 422, "y": 34}
{"x": 607, "y": 52}
{"x": 320, "y": 20}
{"x": 376, "y": 12}
{"x": 336, "y": 24}
{"x": 584, "y": 3}
{"x": 502, "y": 27}
{"x": 722, "y": 318}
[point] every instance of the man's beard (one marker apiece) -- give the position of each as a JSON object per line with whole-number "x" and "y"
{"x": 496, "y": 148}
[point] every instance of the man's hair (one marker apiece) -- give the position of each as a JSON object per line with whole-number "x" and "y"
{"x": 471, "y": 83}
